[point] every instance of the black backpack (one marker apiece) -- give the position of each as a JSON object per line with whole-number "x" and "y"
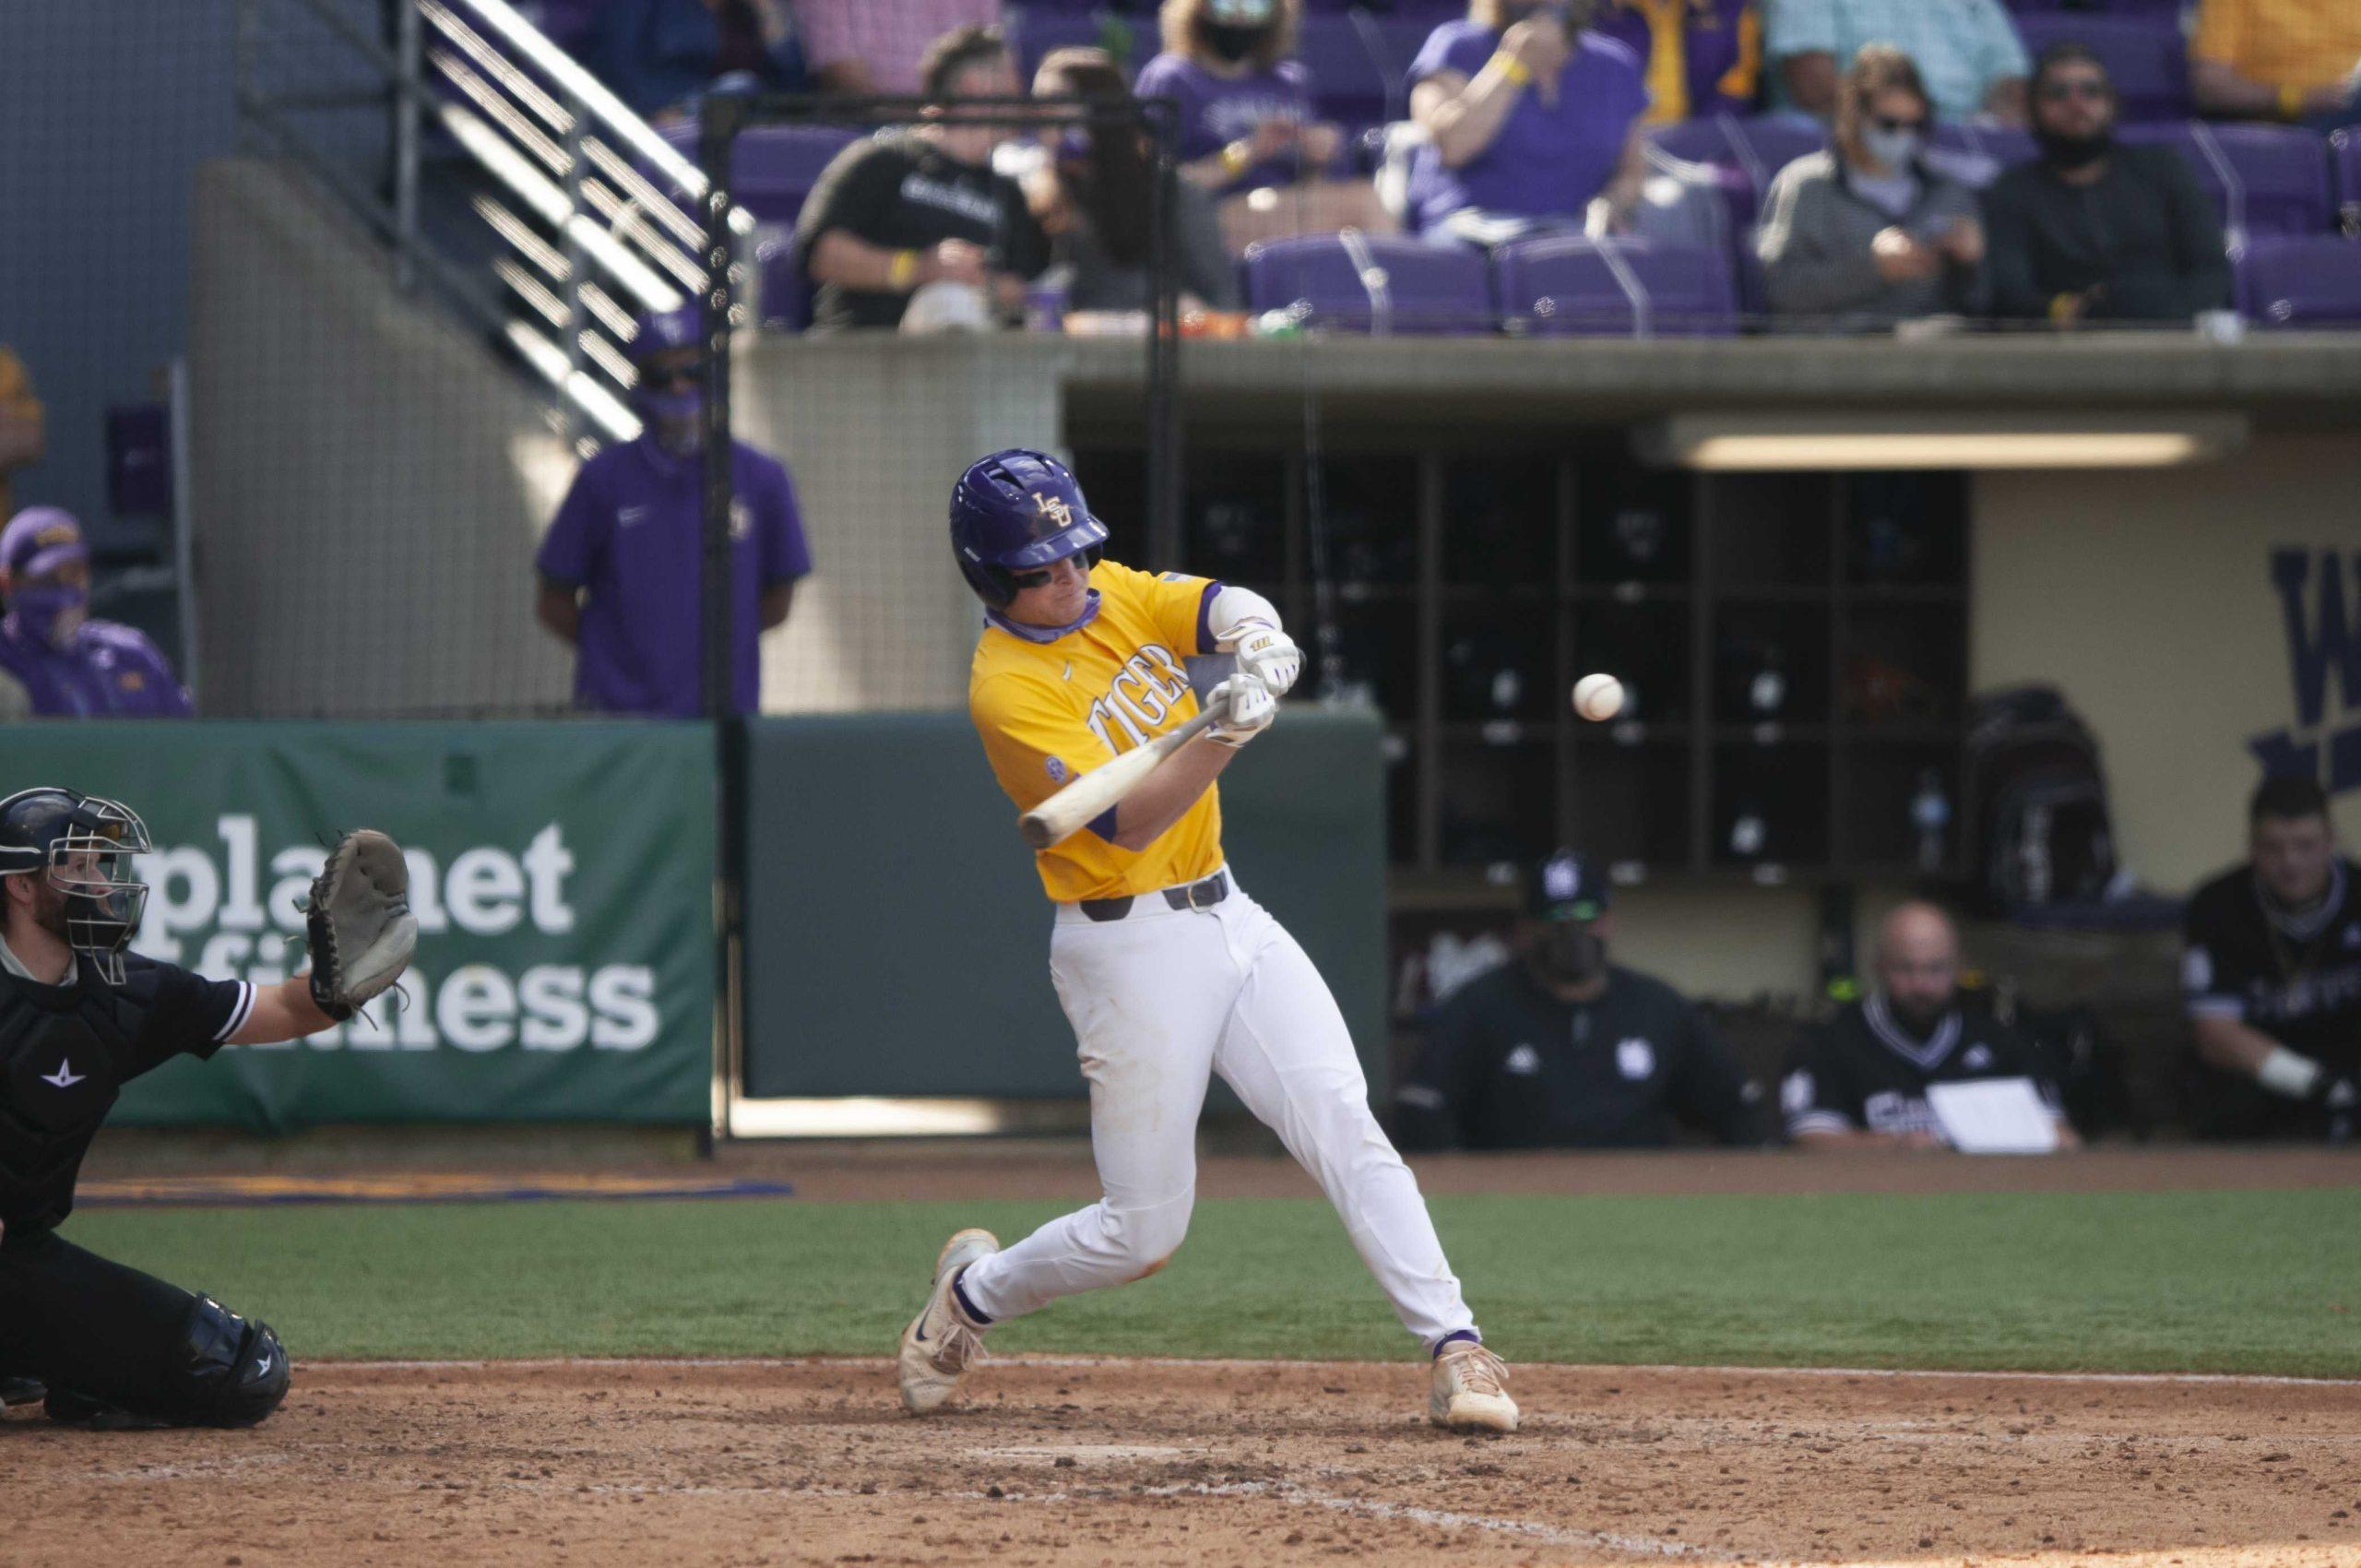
{"x": 2037, "y": 818}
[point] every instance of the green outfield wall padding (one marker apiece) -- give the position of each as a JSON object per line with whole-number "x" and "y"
{"x": 562, "y": 877}
{"x": 897, "y": 936}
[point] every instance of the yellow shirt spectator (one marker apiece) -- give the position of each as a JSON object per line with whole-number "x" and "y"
{"x": 22, "y": 431}
{"x": 2284, "y": 59}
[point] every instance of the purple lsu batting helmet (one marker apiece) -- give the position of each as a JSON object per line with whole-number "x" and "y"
{"x": 1015, "y": 512}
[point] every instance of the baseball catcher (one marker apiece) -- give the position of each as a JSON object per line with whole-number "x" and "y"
{"x": 79, "y": 1017}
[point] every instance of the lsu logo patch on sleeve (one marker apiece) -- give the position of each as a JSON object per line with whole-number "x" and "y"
{"x": 1058, "y": 770}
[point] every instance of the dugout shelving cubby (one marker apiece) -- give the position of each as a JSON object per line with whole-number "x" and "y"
{"x": 1794, "y": 645}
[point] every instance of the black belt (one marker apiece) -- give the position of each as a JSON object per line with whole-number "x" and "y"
{"x": 1195, "y": 895}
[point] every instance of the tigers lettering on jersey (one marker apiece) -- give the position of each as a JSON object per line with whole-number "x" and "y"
{"x": 1050, "y": 711}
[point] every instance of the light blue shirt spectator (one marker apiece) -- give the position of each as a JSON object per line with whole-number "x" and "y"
{"x": 1967, "y": 51}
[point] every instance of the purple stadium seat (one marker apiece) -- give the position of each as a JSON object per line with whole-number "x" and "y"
{"x": 2314, "y": 282}
{"x": 2264, "y": 179}
{"x": 2145, "y": 54}
{"x": 1403, "y": 286}
{"x": 2344, "y": 154}
{"x": 773, "y": 166}
{"x": 1745, "y": 155}
{"x": 1577, "y": 286}
{"x": 1976, "y": 154}
{"x": 1348, "y": 87}
{"x": 785, "y": 292}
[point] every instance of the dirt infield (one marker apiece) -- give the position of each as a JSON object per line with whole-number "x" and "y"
{"x": 1097, "y": 1463}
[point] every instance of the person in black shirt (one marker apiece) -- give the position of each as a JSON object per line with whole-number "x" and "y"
{"x": 920, "y": 205}
{"x": 2094, "y": 230}
{"x": 1559, "y": 1049}
{"x": 79, "y": 1018}
{"x": 1862, "y": 1078}
{"x": 2272, "y": 976}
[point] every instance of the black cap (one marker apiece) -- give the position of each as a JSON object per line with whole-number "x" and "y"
{"x": 1569, "y": 885}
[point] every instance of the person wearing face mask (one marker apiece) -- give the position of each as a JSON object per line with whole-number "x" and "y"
{"x": 1865, "y": 233}
{"x": 1247, "y": 132}
{"x": 2094, "y": 230}
{"x": 621, "y": 568}
{"x": 1534, "y": 123}
{"x": 1560, "y": 1049}
{"x": 57, "y": 660}
{"x": 1861, "y": 1080}
{"x": 1093, "y": 195}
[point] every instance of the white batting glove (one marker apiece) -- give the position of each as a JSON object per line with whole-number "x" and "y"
{"x": 1246, "y": 707}
{"x": 1269, "y": 655}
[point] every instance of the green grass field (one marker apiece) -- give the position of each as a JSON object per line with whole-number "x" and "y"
{"x": 2246, "y": 1281}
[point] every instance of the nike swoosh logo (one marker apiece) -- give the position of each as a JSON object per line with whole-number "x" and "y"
{"x": 65, "y": 1077}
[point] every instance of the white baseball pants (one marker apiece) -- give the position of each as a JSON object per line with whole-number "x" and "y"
{"x": 1161, "y": 1000}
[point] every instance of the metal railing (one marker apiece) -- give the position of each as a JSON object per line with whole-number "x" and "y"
{"x": 592, "y": 216}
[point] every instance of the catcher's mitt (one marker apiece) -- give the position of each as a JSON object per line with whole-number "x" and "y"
{"x": 357, "y": 923}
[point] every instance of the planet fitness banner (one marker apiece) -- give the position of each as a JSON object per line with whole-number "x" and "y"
{"x": 561, "y": 874}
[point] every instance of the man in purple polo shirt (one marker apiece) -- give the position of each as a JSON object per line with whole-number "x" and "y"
{"x": 1532, "y": 119}
{"x": 55, "y": 662}
{"x": 621, "y": 568}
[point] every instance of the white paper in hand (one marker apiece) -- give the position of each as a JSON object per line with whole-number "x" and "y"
{"x": 1995, "y": 1116}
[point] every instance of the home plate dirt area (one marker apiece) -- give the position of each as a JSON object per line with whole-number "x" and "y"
{"x": 1105, "y": 1463}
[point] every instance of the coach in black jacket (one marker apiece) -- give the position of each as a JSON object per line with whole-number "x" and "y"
{"x": 2093, "y": 231}
{"x": 1862, "y": 1078}
{"x": 1559, "y": 1049}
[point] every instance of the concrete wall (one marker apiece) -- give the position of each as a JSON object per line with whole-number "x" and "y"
{"x": 875, "y": 441}
{"x": 2148, "y": 599}
{"x": 370, "y": 482}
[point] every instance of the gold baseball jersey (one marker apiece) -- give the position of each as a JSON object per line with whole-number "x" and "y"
{"x": 1052, "y": 711}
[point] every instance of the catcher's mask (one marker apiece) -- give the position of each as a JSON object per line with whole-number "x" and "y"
{"x": 84, "y": 844}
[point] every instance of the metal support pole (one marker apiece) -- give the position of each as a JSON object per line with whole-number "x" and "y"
{"x": 1164, "y": 425}
{"x": 410, "y": 51}
{"x": 717, "y": 133}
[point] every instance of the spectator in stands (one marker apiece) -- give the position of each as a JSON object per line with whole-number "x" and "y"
{"x": 1703, "y": 58}
{"x": 1862, "y": 1078}
{"x": 660, "y": 56}
{"x": 879, "y": 46}
{"x": 1092, "y": 199}
{"x": 1974, "y": 62}
{"x": 919, "y": 207}
{"x": 1246, "y": 132}
{"x": 1559, "y": 1049}
{"x": 57, "y": 663}
{"x": 1534, "y": 123}
{"x": 1867, "y": 233}
{"x": 2272, "y": 976}
{"x": 2293, "y": 60}
{"x": 2094, "y": 230}
{"x": 22, "y": 427}
{"x": 622, "y": 569}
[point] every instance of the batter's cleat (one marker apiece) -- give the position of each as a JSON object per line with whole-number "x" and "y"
{"x": 1469, "y": 1392}
{"x": 942, "y": 1340}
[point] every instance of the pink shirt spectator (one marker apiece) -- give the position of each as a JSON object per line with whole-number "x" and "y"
{"x": 888, "y": 36}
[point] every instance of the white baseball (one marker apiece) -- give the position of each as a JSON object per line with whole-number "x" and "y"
{"x": 1599, "y": 697}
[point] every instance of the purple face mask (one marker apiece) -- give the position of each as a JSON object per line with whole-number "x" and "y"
{"x": 52, "y": 612}
{"x": 676, "y": 421}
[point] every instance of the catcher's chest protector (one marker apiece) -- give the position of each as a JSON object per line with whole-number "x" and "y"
{"x": 65, "y": 1052}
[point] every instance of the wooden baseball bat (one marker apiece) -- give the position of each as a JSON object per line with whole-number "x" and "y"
{"x": 1064, "y": 813}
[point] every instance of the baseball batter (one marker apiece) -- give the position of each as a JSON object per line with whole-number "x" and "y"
{"x": 1167, "y": 970}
